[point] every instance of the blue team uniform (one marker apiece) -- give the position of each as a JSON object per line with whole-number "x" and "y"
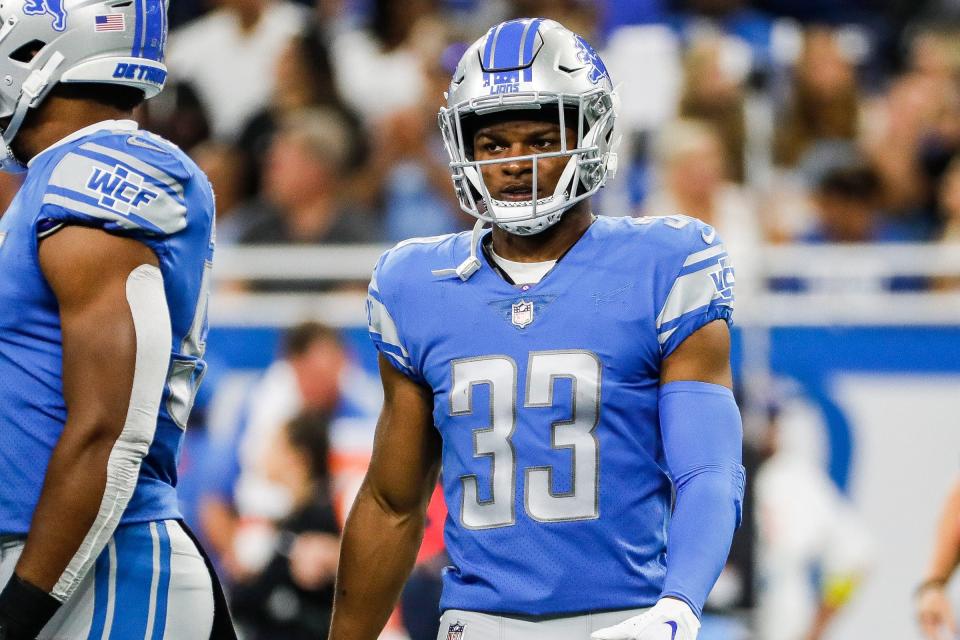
{"x": 546, "y": 400}
{"x": 130, "y": 183}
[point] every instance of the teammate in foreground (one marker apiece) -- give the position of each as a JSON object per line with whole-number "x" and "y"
{"x": 569, "y": 370}
{"x": 934, "y": 613}
{"x": 104, "y": 256}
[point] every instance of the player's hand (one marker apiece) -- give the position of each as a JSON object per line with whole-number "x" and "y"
{"x": 669, "y": 619}
{"x": 934, "y": 614}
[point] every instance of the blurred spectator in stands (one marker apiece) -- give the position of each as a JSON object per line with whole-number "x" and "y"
{"x": 229, "y": 56}
{"x": 713, "y": 92}
{"x": 736, "y": 19}
{"x": 806, "y": 528}
{"x": 949, "y": 201}
{"x": 934, "y": 611}
{"x": 289, "y": 595}
{"x": 409, "y": 171}
{"x": 823, "y": 106}
{"x": 176, "y": 114}
{"x": 935, "y": 53}
{"x": 691, "y": 167}
{"x": 847, "y": 199}
{"x": 907, "y": 121}
{"x": 223, "y": 165}
{"x": 580, "y": 16}
{"x": 315, "y": 374}
{"x": 304, "y": 79}
{"x": 916, "y": 131}
{"x": 304, "y": 186}
{"x": 949, "y": 213}
{"x": 615, "y": 15}
{"x": 379, "y": 69}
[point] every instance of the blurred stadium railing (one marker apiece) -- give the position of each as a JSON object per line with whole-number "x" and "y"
{"x": 829, "y": 284}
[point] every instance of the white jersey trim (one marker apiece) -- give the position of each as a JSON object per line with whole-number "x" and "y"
{"x": 691, "y": 291}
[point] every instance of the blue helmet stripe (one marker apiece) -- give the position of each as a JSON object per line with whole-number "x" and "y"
{"x": 163, "y": 32}
{"x": 530, "y": 37}
{"x": 137, "y": 29}
{"x": 488, "y": 47}
{"x": 153, "y": 36}
{"x": 507, "y": 49}
{"x": 487, "y": 52}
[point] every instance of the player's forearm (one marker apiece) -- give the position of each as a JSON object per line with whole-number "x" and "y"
{"x": 702, "y": 439}
{"x": 376, "y": 556}
{"x": 946, "y": 551}
{"x": 69, "y": 503}
{"x": 701, "y": 530}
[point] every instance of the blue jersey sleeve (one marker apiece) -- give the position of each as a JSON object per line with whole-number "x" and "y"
{"x": 383, "y": 308}
{"x": 128, "y": 185}
{"x": 702, "y": 285}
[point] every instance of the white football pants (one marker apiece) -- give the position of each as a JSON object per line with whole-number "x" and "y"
{"x": 484, "y": 626}
{"x": 149, "y": 583}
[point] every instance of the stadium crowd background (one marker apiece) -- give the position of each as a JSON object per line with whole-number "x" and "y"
{"x": 778, "y": 122}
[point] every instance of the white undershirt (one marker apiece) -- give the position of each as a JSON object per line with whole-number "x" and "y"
{"x": 523, "y": 272}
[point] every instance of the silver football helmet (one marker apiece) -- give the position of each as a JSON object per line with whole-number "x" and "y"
{"x": 523, "y": 65}
{"x": 43, "y": 42}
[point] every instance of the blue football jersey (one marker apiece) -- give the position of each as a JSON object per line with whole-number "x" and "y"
{"x": 545, "y": 397}
{"x": 127, "y": 182}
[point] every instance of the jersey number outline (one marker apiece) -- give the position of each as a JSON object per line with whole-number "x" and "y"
{"x": 187, "y": 373}
{"x": 495, "y": 441}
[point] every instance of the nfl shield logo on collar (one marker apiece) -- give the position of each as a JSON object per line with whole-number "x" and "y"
{"x": 455, "y": 631}
{"x": 521, "y": 314}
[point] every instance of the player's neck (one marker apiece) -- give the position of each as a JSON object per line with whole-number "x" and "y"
{"x": 56, "y": 119}
{"x": 550, "y": 244}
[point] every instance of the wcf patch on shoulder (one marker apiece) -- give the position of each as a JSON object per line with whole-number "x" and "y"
{"x": 120, "y": 189}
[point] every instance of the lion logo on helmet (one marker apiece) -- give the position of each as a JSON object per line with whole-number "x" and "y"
{"x": 54, "y": 8}
{"x": 587, "y": 55}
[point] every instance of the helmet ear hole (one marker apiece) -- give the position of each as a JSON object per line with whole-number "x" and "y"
{"x": 27, "y": 52}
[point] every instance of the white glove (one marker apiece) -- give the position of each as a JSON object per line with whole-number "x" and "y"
{"x": 669, "y": 619}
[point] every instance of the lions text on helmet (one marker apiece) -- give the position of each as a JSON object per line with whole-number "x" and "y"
{"x": 530, "y": 70}
{"x": 45, "y": 42}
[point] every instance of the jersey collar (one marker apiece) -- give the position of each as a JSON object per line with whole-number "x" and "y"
{"x": 104, "y": 125}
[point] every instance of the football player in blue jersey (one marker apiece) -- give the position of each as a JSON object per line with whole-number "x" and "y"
{"x": 104, "y": 260}
{"x": 568, "y": 373}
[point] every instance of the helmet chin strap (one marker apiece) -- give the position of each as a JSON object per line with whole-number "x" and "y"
{"x": 33, "y": 88}
{"x": 469, "y": 266}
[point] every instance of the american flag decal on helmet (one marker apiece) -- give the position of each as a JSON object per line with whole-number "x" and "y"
{"x": 110, "y": 22}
